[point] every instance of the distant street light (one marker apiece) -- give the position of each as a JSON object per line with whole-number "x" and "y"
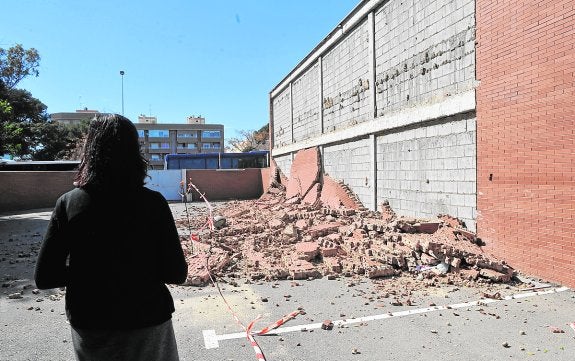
{"x": 122, "y": 74}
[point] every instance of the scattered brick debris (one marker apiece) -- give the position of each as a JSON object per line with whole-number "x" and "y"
{"x": 332, "y": 235}
{"x": 495, "y": 296}
{"x": 269, "y": 239}
{"x": 555, "y": 329}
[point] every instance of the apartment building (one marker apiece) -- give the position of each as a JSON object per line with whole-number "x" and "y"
{"x": 73, "y": 117}
{"x": 158, "y": 140}
{"x": 193, "y": 137}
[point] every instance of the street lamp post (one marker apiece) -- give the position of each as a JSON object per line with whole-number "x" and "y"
{"x": 122, "y": 74}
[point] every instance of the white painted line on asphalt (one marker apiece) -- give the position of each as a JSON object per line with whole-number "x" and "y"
{"x": 211, "y": 339}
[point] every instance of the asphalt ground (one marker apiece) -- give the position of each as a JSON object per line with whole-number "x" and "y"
{"x": 443, "y": 323}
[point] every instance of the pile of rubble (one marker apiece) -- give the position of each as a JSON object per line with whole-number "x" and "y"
{"x": 271, "y": 238}
{"x": 315, "y": 227}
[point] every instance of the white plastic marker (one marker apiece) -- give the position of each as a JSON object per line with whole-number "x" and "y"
{"x": 211, "y": 339}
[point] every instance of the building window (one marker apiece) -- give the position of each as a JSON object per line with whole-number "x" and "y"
{"x": 156, "y": 157}
{"x": 206, "y": 146}
{"x": 187, "y": 134}
{"x": 211, "y": 134}
{"x": 158, "y": 133}
{"x": 187, "y": 146}
{"x": 159, "y": 145}
{"x": 141, "y": 133}
{"x": 216, "y": 145}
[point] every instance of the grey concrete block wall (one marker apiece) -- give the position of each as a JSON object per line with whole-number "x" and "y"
{"x": 395, "y": 82}
{"x": 282, "y": 123}
{"x": 284, "y": 164}
{"x": 350, "y": 163}
{"x": 346, "y": 81}
{"x": 305, "y": 94}
{"x": 424, "y": 51}
{"x": 430, "y": 170}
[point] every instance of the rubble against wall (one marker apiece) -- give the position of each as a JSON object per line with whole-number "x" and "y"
{"x": 331, "y": 235}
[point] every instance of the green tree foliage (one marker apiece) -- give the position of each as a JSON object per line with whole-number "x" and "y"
{"x": 17, "y": 63}
{"x": 20, "y": 112}
{"x": 5, "y": 107}
{"x": 54, "y": 141}
{"x": 26, "y": 130}
{"x": 248, "y": 140}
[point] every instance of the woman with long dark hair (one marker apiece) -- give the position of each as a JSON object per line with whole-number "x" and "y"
{"x": 113, "y": 244}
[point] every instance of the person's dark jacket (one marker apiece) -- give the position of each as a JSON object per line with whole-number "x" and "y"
{"x": 114, "y": 253}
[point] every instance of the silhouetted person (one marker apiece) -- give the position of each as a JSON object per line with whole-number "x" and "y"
{"x": 114, "y": 245}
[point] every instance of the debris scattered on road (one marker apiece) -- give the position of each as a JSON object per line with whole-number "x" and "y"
{"x": 274, "y": 238}
{"x": 555, "y": 329}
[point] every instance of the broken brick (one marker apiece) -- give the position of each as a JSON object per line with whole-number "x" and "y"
{"x": 327, "y": 325}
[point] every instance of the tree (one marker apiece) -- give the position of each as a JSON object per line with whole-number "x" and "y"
{"x": 26, "y": 130}
{"x": 249, "y": 140}
{"x": 53, "y": 141}
{"x": 17, "y": 63}
{"x": 20, "y": 112}
{"x": 18, "y": 109}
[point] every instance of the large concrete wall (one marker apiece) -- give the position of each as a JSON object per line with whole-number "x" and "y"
{"x": 424, "y": 51}
{"x": 282, "y": 118}
{"x": 346, "y": 162}
{"x": 346, "y": 80}
{"x": 388, "y": 96}
{"x": 526, "y": 134}
{"x": 305, "y": 106}
{"x": 430, "y": 169}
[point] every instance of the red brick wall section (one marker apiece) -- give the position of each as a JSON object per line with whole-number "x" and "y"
{"x": 33, "y": 190}
{"x": 313, "y": 195}
{"x": 226, "y": 184}
{"x": 335, "y": 195}
{"x": 266, "y": 179}
{"x": 304, "y": 172}
{"x": 525, "y": 134}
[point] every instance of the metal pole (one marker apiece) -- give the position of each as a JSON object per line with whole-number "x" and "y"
{"x": 122, "y": 74}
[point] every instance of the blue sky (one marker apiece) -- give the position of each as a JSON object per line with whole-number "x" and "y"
{"x": 217, "y": 59}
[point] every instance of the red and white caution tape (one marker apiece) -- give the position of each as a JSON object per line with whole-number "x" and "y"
{"x": 210, "y": 221}
{"x": 249, "y": 333}
{"x": 274, "y": 325}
